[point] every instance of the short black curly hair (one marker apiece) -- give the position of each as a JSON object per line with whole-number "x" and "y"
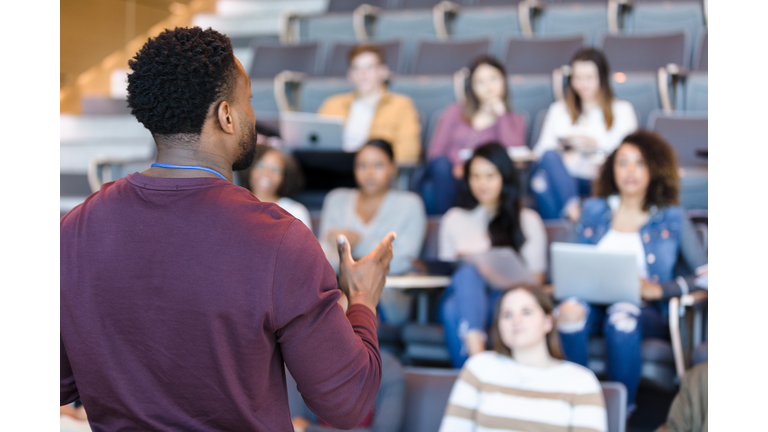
{"x": 177, "y": 76}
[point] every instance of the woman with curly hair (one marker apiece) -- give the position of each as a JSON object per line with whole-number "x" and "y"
{"x": 636, "y": 210}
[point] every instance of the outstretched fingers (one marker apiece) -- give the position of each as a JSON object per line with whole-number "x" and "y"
{"x": 345, "y": 251}
{"x": 383, "y": 251}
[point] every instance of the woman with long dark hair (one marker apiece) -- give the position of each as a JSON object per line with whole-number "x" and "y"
{"x": 491, "y": 215}
{"x": 589, "y": 123}
{"x": 523, "y": 384}
{"x": 484, "y": 116}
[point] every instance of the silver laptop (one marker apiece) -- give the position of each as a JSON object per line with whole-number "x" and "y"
{"x": 310, "y": 131}
{"x": 595, "y": 276}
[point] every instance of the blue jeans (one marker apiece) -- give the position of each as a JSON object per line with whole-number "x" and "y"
{"x": 624, "y": 327}
{"x": 553, "y": 187}
{"x": 438, "y": 187}
{"x": 467, "y": 304}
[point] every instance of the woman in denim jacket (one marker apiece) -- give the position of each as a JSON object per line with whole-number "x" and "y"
{"x": 635, "y": 211}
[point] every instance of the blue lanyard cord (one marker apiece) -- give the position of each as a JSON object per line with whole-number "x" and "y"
{"x": 201, "y": 168}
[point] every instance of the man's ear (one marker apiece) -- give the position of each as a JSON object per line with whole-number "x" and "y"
{"x": 225, "y": 116}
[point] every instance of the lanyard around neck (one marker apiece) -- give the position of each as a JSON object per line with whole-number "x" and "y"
{"x": 201, "y": 168}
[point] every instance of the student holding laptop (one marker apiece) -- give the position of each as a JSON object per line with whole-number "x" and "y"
{"x": 636, "y": 211}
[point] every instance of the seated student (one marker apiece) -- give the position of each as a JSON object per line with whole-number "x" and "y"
{"x": 484, "y": 116}
{"x": 370, "y": 211}
{"x": 273, "y": 177}
{"x": 523, "y": 384}
{"x": 371, "y": 111}
{"x": 688, "y": 412}
{"x": 491, "y": 215}
{"x": 388, "y": 409}
{"x": 635, "y": 211}
{"x": 589, "y": 122}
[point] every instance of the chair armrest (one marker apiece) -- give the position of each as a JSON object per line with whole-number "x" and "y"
{"x": 695, "y": 301}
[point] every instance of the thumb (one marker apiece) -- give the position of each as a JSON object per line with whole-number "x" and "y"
{"x": 345, "y": 251}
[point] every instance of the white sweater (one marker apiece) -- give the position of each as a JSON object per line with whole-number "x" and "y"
{"x": 495, "y": 393}
{"x": 558, "y": 124}
{"x": 465, "y": 232}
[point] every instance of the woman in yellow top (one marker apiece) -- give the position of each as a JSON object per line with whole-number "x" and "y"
{"x": 371, "y": 111}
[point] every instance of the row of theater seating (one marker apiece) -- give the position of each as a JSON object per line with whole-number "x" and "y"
{"x": 625, "y": 53}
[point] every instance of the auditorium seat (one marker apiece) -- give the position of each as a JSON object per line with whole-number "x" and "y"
{"x": 417, "y": 4}
{"x": 446, "y": 57}
{"x": 336, "y": 63}
{"x": 590, "y": 18}
{"x": 696, "y": 92}
{"x": 103, "y": 105}
{"x": 409, "y": 26}
{"x": 664, "y": 17}
{"x": 313, "y": 91}
{"x": 539, "y": 55}
{"x": 687, "y": 133}
{"x": 326, "y": 26}
{"x": 644, "y": 53}
{"x": 429, "y": 93}
{"x": 530, "y": 93}
{"x": 269, "y": 60}
{"x": 263, "y": 97}
{"x": 351, "y": 5}
{"x": 700, "y": 54}
{"x": 538, "y": 123}
{"x": 639, "y": 88}
{"x": 496, "y": 23}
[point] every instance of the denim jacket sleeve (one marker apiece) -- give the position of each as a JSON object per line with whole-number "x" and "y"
{"x": 692, "y": 254}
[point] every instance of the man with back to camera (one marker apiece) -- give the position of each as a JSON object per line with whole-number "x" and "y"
{"x": 182, "y": 294}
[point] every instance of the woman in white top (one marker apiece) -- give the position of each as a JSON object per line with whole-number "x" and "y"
{"x": 273, "y": 177}
{"x": 588, "y": 124}
{"x": 366, "y": 214}
{"x": 491, "y": 215}
{"x": 524, "y": 385}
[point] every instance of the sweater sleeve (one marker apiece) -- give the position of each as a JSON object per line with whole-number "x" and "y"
{"x": 589, "y": 413}
{"x": 462, "y": 403}
{"x": 548, "y": 136}
{"x": 334, "y": 359}
{"x": 407, "y": 142}
{"x": 410, "y": 235}
{"x": 692, "y": 253}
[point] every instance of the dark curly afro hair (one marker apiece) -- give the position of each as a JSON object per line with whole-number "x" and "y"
{"x": 177, "y": 76}
{"x": 664, "y": 187}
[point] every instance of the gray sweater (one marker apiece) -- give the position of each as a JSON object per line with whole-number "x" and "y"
{"x": 400, "y": 211}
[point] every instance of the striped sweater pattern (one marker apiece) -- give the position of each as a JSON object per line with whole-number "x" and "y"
{"x": 495, "y": 393}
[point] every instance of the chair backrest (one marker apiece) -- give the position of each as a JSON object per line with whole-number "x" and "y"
{"x": 325, "y": 27}
{"x": 351, "y": 5}
{"x": 417, "y": 4}
{"x": 336, "y": 63}
{"x": 615, "y": 394}
{"x": 697, "y": 92}
{"x": 687, "y": 133}
{"x": 314, "y": 91}
{"x": 429, "y": 93}
{"x": 538, "y": 123}
{"x": 530, "y": 93}
{"x": 496, "y": 23}
{"x": 663, "y": 17}
{"x": 539, "y": 56}
{"x": 263, "y": 97}
{"x": 644, "y": 53}
{"x": 426, "y": 396}
{"x": 567, "y": 19}
{"x": 701, "y": 55}
{"x": 436, "y": 58}
{"x": 639, "y": 88}
{"x": 103, "y": 105}
{"x": 429, "y": 250}
{"x": 269, "y": 60}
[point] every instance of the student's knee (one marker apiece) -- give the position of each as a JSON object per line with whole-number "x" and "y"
{"x": 623, "y": 317}
{"x": 571, "y": 315}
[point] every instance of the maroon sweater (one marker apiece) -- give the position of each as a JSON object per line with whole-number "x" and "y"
{"x": 182, "y": 298}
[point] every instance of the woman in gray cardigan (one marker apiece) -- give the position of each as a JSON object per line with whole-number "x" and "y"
{"x": 370, "y": 211}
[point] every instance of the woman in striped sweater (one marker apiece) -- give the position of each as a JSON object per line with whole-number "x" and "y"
{"x": 524, "y": 385}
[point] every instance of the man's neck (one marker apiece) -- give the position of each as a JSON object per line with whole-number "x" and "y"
{"x": 189, "y": 157}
